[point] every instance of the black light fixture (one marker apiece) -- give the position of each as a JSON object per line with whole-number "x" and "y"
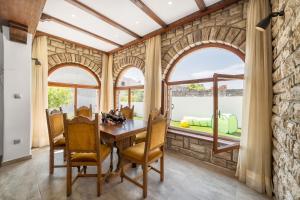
{"x": 263, "y": 24}
{"x": 36, "y": 61}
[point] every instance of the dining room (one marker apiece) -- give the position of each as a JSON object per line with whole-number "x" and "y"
{"x": 150, "y": 99}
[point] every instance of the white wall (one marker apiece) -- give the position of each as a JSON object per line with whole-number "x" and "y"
{"x": 1, "y": 96}
{"x": 17, "y": 112}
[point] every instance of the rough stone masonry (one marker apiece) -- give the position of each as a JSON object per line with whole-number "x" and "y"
{"x": 286, "y": 100}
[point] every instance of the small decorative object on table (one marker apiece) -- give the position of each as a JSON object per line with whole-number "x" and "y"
{"x": 113, "y": 117}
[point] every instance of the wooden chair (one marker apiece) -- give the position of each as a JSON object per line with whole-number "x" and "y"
{"x": 127, "y": 112}
{"x": 84, "y": 111}
{"x": 141, "y": 137}
{"x": 84, "y": 149}
{"x": 55, "y": 124}
{"x": 147, "y": 152}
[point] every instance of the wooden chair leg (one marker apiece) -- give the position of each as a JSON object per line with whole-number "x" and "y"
{"x": 162, "y": 169}
{"x": 99, "y": 184}
{"x": 65, "y": 155}
{"x": 51, "y": 161}
{"x": 122, "y": 170}
{"x": 145, "y": 180}
{"x": 84, "y": 169}
{"x": 69, "y": 180}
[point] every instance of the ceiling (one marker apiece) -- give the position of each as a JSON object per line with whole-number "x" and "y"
{"x": 110, "y": 24}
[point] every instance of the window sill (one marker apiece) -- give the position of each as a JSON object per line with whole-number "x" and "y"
{"x": 200, "y": 136}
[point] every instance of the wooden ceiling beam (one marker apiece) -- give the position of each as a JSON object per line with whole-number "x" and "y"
{"x": 201, "y": 5}
{"x": 149, "y": 12}
{"x": 196, "y": 15}
{"x": 23, "y": 12}
{"x": 41, "y": 33}
{"x": 102, "y": 17}
{"x": 46, "y": 17}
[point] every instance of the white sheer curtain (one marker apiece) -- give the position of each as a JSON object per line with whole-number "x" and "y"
{"x": 152, "y": 75}
{"x": 254, "y": 163}
{"x": 39, "y": 92}
{"x": 107, "y": 88}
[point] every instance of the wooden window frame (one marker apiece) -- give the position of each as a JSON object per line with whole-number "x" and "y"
{"x": 216, "y": 79}
{"x": 128, "y": 89}
{"x": 76, "y": 86}
{"x": 166, "y": 92}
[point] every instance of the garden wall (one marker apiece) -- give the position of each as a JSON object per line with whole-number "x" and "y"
{"x": 286, "y": 101}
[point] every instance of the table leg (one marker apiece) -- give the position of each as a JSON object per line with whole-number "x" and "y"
{"x": 121, "y": 145}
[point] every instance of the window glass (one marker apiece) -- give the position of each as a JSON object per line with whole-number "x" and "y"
{"x": 137, "y": 100}
{"x": 205, "y": 62}
{"x": 192, "y": 103}
{"x": 61, "y": 97}
{"x": 131, "y": 76}
{"x": 86, "y": 97}
{"x": 74, "y": 75}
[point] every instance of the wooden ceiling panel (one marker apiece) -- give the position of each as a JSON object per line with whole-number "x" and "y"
{"x": 26, "y": 12}
{"x": 149, "y": 12}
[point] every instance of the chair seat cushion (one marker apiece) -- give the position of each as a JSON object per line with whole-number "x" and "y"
{"x": 137, "y": 151}
{"x": 91, "y": 157}
{"x": 140, "y": 137}
{"x": 61, "y": 142}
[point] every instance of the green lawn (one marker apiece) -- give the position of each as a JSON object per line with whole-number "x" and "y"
{"x": 138, "y": 118}
{"x": 208, "y": 130}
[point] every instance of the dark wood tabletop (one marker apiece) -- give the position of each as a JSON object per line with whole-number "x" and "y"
{"x": 128, "y": 129}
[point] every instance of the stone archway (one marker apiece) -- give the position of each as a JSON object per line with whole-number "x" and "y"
{"x": 69, "y": 58}
{"x": 229, "y": 36}
{"x": 122, "y": 63}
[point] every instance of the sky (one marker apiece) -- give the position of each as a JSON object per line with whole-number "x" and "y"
{"x": 205, "y": 62}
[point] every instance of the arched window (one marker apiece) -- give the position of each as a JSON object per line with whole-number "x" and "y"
{"x": 130, "y": 90}
{"x": 191, "y": 98}
{"x": 72, "y": 86}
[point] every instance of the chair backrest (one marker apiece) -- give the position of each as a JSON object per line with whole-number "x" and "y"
{"x": 55, "y": 122}
{"x": 156, "y": 131}
{"x": 84, "y": 111}
{"x": 82, "y": 134}
{"x": 127, "y": 112}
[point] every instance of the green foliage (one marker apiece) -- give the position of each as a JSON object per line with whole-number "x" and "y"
{"x": 137, "y": 96}
{"x": 196, "y": 86}
{"x": 58, "y": 97}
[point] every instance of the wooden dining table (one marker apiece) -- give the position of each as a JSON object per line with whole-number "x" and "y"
{"x": 120, "y": 136}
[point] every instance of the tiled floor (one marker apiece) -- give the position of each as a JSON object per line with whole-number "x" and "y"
{"x": 185, "y": 178}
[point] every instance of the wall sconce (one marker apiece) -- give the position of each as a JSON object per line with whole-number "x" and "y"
{"x": 36, "y": 61}
{"x": 263, "y": 24}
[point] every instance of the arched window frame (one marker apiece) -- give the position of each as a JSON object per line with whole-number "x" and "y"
{"x": 76, "y": 86}
{"x": 125, "y": 88}
{"x": 216, "y": 77}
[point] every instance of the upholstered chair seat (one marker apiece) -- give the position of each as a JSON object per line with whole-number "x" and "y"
{"x": 137, "y": 152}
{"x": 91, "y": 157}
{"x": 61, "y": 142}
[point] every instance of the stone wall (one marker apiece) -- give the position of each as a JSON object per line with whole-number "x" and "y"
{"x": 132, "y": 56}
{"x": 63, "y": 52}
{"x": 201, "y": 148}
{"x": 286, "y": 108}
